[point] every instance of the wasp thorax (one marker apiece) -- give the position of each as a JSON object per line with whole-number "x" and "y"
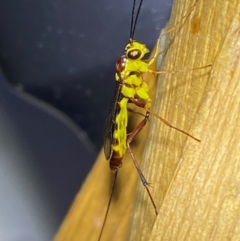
{"x": 135, "y": 50}
{"x": 121, "y": 63}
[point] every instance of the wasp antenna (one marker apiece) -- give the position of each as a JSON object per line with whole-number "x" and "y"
{"x": 134, "y": 21}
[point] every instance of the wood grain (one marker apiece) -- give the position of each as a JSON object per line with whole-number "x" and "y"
{"x": 196, "y": 185}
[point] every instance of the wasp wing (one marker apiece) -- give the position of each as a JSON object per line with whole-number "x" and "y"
{"x": 110, "y": 124}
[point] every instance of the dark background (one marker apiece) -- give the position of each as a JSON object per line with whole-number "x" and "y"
{"x": 58, "y": 66}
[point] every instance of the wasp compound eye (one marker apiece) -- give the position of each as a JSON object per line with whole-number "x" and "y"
{"x": 134, "y": 54}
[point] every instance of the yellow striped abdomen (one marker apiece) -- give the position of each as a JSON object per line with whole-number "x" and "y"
{"x": 120, "y": 135}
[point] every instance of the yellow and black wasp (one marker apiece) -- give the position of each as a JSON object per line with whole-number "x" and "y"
{"x": 130, "y": 88}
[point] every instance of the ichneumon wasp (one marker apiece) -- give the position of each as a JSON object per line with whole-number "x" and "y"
{"x": 130, "y": 88}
